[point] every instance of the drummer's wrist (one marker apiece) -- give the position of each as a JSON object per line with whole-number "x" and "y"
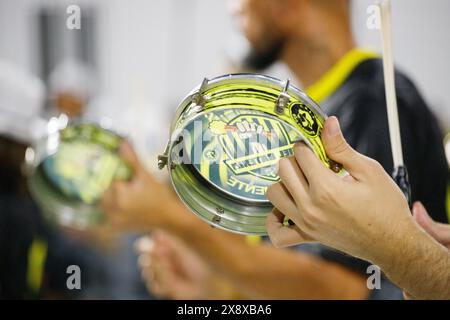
{"x": 393, "y": 247}
{"x": 418, "y": 265}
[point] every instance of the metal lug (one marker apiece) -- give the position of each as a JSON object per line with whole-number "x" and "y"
{"x": 198, "y": 97}
{"x": 162, "y": 161}
{"x": 283, "y": 99}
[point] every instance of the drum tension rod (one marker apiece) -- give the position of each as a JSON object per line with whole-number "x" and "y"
{"x": 163, "y": 158}
{"x": 283, "y": 99}
{"x": 198, "y": 97}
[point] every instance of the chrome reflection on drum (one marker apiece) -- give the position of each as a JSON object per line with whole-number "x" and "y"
{"x": 70, "y": 169}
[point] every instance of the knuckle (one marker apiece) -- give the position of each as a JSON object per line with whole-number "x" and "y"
{"x": 374, "y": 165}
{"x": 339, "y": 147}
{"x": 308, "y": 219}
{"x": 274, "y": 240}
{"x": 282, "y": 167}
{"x": 322, "y": 195}
{"x": 311, "y": 219}
{"x": 277, "y": 243}
{"x": 270, "y": 193}
{"x": 298, "y": 149}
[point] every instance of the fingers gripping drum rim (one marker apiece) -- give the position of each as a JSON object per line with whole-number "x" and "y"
{"x": 226, "y": 139}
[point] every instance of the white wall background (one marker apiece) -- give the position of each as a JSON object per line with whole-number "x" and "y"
{"x": 152, "y": 52}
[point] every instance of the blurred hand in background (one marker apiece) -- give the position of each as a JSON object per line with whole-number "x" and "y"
{"x": 140, "y": 204}
{"x": 439, "y": 231}
{"x": 172, "y": 270}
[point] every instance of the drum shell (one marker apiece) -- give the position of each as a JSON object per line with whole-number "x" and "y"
{"x": 57, "y": 207}
{"x": 212, "y": 205}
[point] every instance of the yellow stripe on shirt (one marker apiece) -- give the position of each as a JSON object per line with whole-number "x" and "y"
{"x": 335, "y": 77}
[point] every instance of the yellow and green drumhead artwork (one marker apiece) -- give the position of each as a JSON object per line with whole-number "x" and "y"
{"x": 226, "y": 140}
{"x": 70, "y": 169}
{"x": 237, "y": 150}
{"x": 85, "y": 163}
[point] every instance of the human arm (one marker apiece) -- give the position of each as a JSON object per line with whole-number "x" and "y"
{"x": 363, "y": 214}
{"x": 439, "y": 231}
{"x": 262, "y": 271}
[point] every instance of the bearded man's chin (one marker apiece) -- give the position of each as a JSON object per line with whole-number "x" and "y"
{"x": 261, "y": 59}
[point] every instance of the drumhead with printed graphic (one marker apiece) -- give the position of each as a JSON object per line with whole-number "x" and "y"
{"x": 226, "y": 139}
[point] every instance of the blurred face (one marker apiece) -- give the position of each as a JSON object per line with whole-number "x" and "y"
{"x": 258, "y": 21}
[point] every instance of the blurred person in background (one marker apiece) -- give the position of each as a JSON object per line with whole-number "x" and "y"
{"x": 70, "y": 87}
{"x": 34, "y": 254}
{"x": 21, "y": 101}
{"x": 24, "y": 238}
{"x": 314, "y": 39}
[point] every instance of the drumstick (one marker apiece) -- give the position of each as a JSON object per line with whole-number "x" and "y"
{"x": 389, "y": 80}
{"x": 400, "y": 174}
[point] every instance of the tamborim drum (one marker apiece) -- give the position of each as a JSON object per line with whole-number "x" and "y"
{"x": 226, "y": 139}
{"x": 70, "y": 169}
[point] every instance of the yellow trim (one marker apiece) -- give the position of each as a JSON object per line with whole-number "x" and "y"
{"x": 334, "y": 77}
{"x": 37, "y": 254}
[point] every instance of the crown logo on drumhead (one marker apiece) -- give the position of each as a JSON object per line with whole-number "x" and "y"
{"x": 253, "y": 144}
{"x": 305, "y": 118}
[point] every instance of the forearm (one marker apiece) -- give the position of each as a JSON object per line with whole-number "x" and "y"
{"x": 264, "y": 271}
{"x": 286, "y": 274}
{"x": 418, "y": 264}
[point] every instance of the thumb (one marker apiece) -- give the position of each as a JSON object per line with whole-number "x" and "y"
{"x": 337, "y": 147}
